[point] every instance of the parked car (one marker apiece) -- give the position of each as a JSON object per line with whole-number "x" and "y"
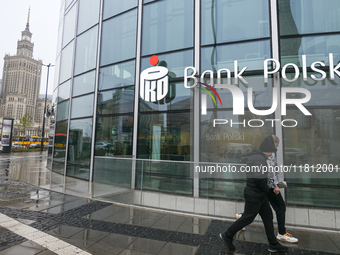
{"x": 104, "y": 146}
{"x": 34, "y": 145}
{"x": 17, "y": 145}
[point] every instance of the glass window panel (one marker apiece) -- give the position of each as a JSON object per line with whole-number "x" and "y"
{"x": 119, "y": 175}
{"x": 64, "y": 91}
{"x": 167, "y": 177}
{"x": 67, "y": 3}
{"x": 314, "y": 195}
{"x": 313, "y": 141}
{"x": 60, "y": 140}
{"x": 55, "y": 97}
{"x": 232, "y": 143}
{"x": 86, "y": 51}
{"x": 323, "y": 93}
{"x": 69, "y": 25}
{"x": 123, "y": 27}
{"x": 56, "y": 72}
{"x": 114, "y": 7}
{"x": 177, "y": 98}
{"x": 165, "y": 136}
{"x": 175, "y": 62}
{"x": 115, "y": 76}
{"x": 79, "y": 148}
{"x": 66, "y": 62}
{"x": 114, "y": 136}
{"x": 305, "y": 16}
{"x": 227, "y": 189}
{"x": 84, "y": 83}
{"x": 116, "y": 101}
{"x": 221, "y": 20}
{"x": 316, "y": 48}
{"x": 262, "y": 93}
{"x": 62, "y": 110}
{"x": 88, "y": 14}
{"x": 82, "y": 106}
{"x": 162, "y": 21}
{"x": 249, "y": 54}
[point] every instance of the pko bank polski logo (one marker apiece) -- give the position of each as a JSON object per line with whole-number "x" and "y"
{"x": 154, "y": 82}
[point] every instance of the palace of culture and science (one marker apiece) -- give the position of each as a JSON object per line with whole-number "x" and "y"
{"x": 20, "y": 87}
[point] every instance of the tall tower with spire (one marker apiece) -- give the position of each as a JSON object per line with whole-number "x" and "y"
{"x": 25, "y": 46}
{"x": 21, "y": 84}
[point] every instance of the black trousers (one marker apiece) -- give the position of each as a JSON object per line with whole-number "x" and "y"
{"x": 253, "y": 207}
{"x": 279, "y": 207}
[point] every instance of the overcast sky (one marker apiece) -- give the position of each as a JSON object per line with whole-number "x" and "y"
{"x": 44, "y": 20}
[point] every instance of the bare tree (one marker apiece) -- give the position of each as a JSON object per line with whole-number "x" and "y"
{"x": 24, "y": 123}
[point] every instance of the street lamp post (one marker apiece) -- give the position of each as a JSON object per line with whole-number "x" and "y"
{"x": 43, "y": 126}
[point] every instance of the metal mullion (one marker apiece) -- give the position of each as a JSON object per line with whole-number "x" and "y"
{"x": 137, "y": 81}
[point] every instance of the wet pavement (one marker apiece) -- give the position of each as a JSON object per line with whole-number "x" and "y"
{"x": 34, "y": 220}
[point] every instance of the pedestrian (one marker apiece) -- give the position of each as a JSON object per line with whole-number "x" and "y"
{"x": 275, "y": 197}
{"x": 256, "y": 201}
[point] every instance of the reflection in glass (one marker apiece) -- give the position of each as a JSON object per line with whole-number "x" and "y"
{"x": 86, "y": 51}
{"x": 226, "y": 189}
{"x": 168, "y": 177}
{"x": 316, "y": 48}
{"x": 55, "y": 97}
{"x": 84, "y": 83}
{"x": 164, "y": 19}
{"x": 66, "y": 63}
{"x": 112, "y": 171}
{"x": 116, "y": 76}
{"x": 56, "y": 71}
{"x": 64, "y": 91}
{"x": 249, "y": 54}
{"x": 114, "y": 136}
{"x": 59, "y": 152}
{"x": 221, "y": 20}
{"x": 178, "y": 98}
{"x": 88, "y": 14}
{"x": 114, "y": 7}
{"x": 262, "y": 93}
{"x": 62, "y": 110}
{"x": 123, "y": 27}
{"x": 82, "y": 106}
{"x": 323, "y": 93}
{"x": 79, "y": 148}
{"x": 315, "y": 140}
{"x": 69, "y": 25}
{"x": 176, "y": 62}
{"x": 165, "y": 136}
{"x": 304, "y": 17}
{"x": 232, "y": 143}
{"x": 116, "y": 101}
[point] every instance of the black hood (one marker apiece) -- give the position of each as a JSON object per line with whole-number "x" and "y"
{"x": 268, "y": 145}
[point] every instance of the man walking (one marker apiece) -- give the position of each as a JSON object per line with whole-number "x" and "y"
{"x": 256, "y": 202}
{"x": 275, "y": 198}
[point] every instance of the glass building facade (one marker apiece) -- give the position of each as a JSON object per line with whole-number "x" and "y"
{"x": 132, "y": 151}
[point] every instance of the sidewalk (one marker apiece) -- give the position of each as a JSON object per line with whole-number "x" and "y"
{"x": 37, "y": 221}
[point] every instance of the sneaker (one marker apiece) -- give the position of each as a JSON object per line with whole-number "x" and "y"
{"x": 287, "y": 238}
{"x": 228, "y": 242}
{"x": 239, "y": 215}
{"x": 277, "y": 248}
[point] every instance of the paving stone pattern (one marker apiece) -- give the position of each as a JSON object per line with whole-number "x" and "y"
{"x": 209, "y": 243}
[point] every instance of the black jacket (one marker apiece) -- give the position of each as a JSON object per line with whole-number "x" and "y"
{"x": 256, "y": 187}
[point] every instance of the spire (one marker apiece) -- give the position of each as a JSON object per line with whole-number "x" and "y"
{"x": 28, "y": 20}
